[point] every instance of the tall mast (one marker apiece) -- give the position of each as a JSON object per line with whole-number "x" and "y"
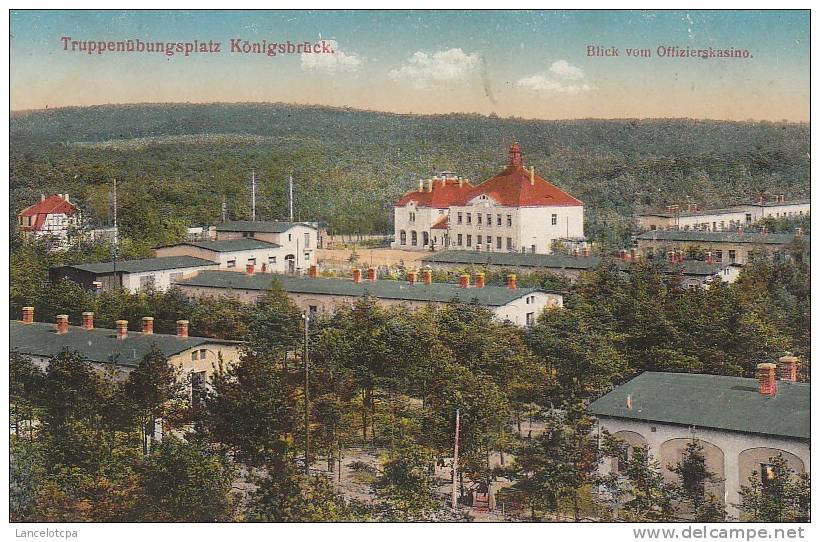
{"x": 253, "y": 194}
{"x": 290, "y": 192}
{"x": 115, "y": 245}
{"x": 455, "y": 464}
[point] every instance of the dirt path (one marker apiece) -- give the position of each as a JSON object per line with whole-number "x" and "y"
{"x": 340, "y": 258}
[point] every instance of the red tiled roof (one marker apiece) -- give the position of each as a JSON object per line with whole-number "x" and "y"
{"x": 441, "y": 223}
{"x": 443, "y": 194}
{"x": 512, "y": 187}
{"x": 54, "y": 204}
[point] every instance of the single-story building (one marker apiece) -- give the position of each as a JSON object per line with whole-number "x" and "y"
{"x": 520, "y": 306}
{"x": 693, "y": 272}
{"x": 232, "y": 253}
{"x": 739, "y": 422}
{"x": 738, "y": 247}
{"x": 197, "y": 357}
{"x": 134, "y": 275}
{"x": 730, "y": 218}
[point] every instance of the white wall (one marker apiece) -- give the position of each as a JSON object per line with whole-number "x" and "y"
{"x": 516, "y": 311}
{"x": 425, "y": 217}
{"x": 162, "y": 278}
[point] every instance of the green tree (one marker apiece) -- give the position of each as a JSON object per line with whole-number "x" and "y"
{"x": 692, "y": 487}
{"x": 405, "y": 485}
{"x": 777, "y": 495}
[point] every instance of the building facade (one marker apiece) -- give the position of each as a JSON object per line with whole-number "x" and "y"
{"x": 297, "y": 240}
{"x": 53, "y": 216}
{"x": 739, "y": 422}
{"x": 134, "y": 275}
{"x": 232, "y": 254}
{"x": 727, "y": 219}
{"x": 725, "y": 246}
{"x": 521, "y": 306}
{"x": 514, "y": 211}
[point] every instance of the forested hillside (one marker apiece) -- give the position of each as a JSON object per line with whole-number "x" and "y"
{"x": 176, "y": 162}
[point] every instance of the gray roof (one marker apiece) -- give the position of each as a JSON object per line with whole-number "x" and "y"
{"x": 513, "y": 259}
{"x": 491, "y": 296}
{"x": 719, "y": 402}
{"x": 98, "y": 345}
{"x": 140, "y": 266}
{"x": 259, "y": 226}
{"x": 231, "y": 245}
{"x": 720, "y": 237}
{"x": 556, "y": 261}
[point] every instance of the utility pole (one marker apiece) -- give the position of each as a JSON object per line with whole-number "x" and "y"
{"x": 115, "y": 244}
{"x": 224, "y": 209}
{"x": 253, "y": 194}
{"x": 290, "y": 197}
{"x": 306, "y": 318}
{"x": 455, "y": 464}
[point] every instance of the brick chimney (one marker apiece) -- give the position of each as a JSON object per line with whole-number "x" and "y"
{"x": 479, "y": 280}
{"x": 313, "y": 272}
{"x": 787, "y": 367}
{"x": 464, "y": 280}
{"x": 371, "y": 274}
{"x": 249, "y": 269}
{"x": 421, "y": 185}
{"x": 28, "y": 315}
{"x": 88, "y": 321}
{"x": 574, "y": 252}
{"x": 586, "y": 252}
{"x": 122, "y": 329}
{"x": 147, "y": 325}
{"x": 427, "y": 276}
{"x": 412, "y": 276}
{"x": 357, "y": 275}
{"x": 62, "y": 323}
{"x": 767, "y": 379}
{"x": 182, "y": 328}
{"x": 511, "y": 284}
{"x": 709, "y": 258}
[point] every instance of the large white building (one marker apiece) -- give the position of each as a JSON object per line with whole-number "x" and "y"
{"x": 515, "y": 211}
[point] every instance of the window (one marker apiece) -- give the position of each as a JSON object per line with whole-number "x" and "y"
{"x": 732, "y": 256}
{"x": 252, "y": 261}
{"x": 719, "y": 255}
{"x": 459, "y": 240}
{"x": 307, "y": 240}
{"x": 509, "y": 221}
{"x": 766, "y": 474}
{"x": 459, "y": 218}
{"x": 313, "y": 309}
{"x": 414, "y": 238}
{"x": 532, "y": 249}
{"x": 489, "y": 219}
{"x": 554, "y": 220}
{"x": 290, "y": 237}
{"x": 530, "y": 318}
{"x": 498, "y": 220}
{"x": 714, "y": 226}
{"x": 412, "y": 217}
{"x": 193, "y": 355}
{"x": 722, "y": 224}
{"x": 403, "y": 237}
{"x": 479, "y": 217}
{"x": 748, "y": 217}
{"x": 247, "y": 234}
{"x": 509, "y": 243}
{"x": 230, "y": 264}
{"x": 272, "y": 260}
{"x": 478, "y": 239}
{"x": 498, "y": 243}
{"x": 307, "y": 256}
{"x": 469, "y": 218}
{"x": 203, "y": 354}
{"x": 425, "y": 238}
{"x": 469, "y": 239}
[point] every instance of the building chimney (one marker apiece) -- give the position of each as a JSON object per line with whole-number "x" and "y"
{"x": 371, "y": 274}
{"x": 427, "y": 276}
{"x": 788, "y": 368}
{"x": 532, "y": 175}
{"x": 313, "y": 271}
{"x": 88, "y": 321}
{"x": 412, "y": 276}
{"x": 147, "y": 325}
{"x": 515, "y": 155}
{"x": 511, "y": 281}
{"x": 460, "y": 182}
{"x": 586, "y": 252}
{"x": 782, "y": 198}
{"x": 65, "y": 197}
{"x": 622, "y": 254}
{"x": 28, "y": 315}
{"x": 761, "y": 200}
{"x": 464, "y": 280}
{"x": 767, "y": 379}
{"x": 421, "y": 185}
{"x": 709, "y": 259}
{"x": 479, "y": 280}
{"x": 182, "y": 328}
{"x": 122, "y": 329}
{"x": 430, "y": 185}
{"x": 798, "y": 232}
{"x": 764, "y": 230}
{"x": 357, "y": 275}
{"x": 62, "y": 323}
{"x": 575, "y": 252}
{"x": 249, "y": 269}
{"x": 42, "y": 197}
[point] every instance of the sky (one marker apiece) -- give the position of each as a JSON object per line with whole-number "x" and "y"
{"x": 530, "y": 64}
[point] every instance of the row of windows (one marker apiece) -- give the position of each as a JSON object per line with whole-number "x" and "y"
{"x": 414, "y": 238}
{"x": 250, "y": 235}
{"x": 480, "y": 239}
{"x": 199, "y": 354}
{"x": 480, "y": 219}
{"x": 251, "y": 261}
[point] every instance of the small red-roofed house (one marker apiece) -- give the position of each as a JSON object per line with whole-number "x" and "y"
{"x": 52, "y": 216}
